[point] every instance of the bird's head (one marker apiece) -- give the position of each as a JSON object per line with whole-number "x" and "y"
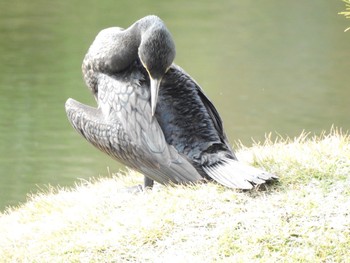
{"x": 157, "y": 53}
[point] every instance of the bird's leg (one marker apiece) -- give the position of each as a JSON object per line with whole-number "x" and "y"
{"x": 148, "y": 183}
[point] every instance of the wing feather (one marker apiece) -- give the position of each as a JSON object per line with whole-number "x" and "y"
{"x": 213, "y": 113}
{"x": 122, "y": 126}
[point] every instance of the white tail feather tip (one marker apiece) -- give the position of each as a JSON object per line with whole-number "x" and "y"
{"x": 234, "y": 174}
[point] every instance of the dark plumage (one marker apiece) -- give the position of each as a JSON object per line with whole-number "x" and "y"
{"x": 151, "y": 115}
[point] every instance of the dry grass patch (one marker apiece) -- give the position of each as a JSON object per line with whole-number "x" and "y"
{"x": 302, "y": 218}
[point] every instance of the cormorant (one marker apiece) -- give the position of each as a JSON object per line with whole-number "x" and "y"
{"x": 151, "y": 115}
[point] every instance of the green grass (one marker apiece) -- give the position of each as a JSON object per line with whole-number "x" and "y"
{"x": 302, "y": 218}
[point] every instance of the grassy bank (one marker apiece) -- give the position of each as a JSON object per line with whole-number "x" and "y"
{"x": 304, "y": 217}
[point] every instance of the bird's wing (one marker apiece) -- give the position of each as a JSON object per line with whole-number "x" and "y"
{"x": 213, "y": 113}
{"x": 220, "y": 164}
{"x": 122, "y": 127}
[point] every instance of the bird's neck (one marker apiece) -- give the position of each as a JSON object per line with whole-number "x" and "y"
{"x": 115, "y": 49}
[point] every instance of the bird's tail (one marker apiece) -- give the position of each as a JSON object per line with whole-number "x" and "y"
{"x": 235, "y": 174}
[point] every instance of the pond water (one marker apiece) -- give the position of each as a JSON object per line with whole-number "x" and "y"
{"x": 277, "y": 66}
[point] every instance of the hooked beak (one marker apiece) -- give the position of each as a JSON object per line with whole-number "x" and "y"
{"x": 155, "y": 83}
